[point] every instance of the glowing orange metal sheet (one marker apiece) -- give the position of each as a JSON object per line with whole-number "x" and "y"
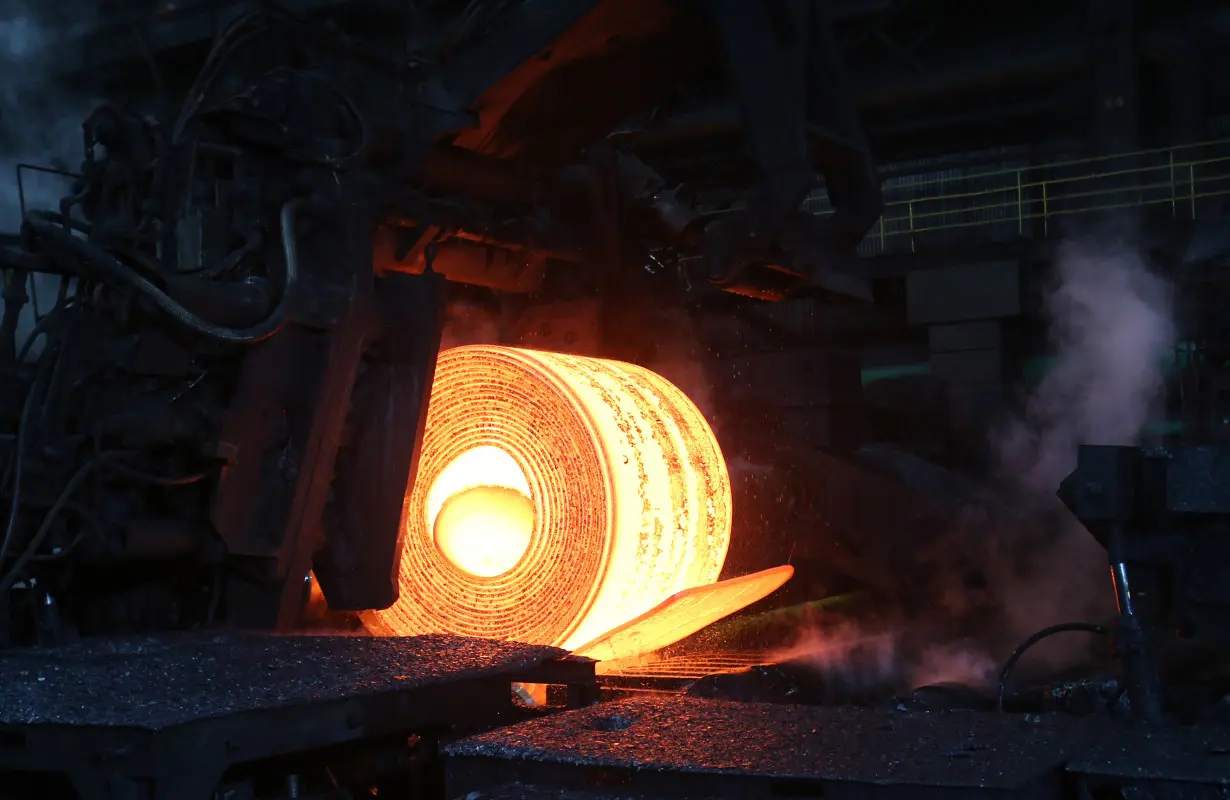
{"x": 683, "y": 614}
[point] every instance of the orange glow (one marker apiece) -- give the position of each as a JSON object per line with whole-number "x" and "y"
{"x": 683, "y": 614}
{"x": 604, "y": 488}
{"x": 485, "y": 530}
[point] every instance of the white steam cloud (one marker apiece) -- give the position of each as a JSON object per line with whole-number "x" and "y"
{"x": 1111, "y": 325}
{"x": 858, "y": 664}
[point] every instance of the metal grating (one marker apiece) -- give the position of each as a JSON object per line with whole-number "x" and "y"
{"x": 677, "y": 673}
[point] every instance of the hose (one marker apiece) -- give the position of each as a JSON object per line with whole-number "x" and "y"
{"x": 235, "y": 36}
{"x": 10, "y": 577}
{"x": 107, "y": 459}
{"x": 351, "y": 109}
{"x": 23, "y": 426}
{"x": 17, "y": 465}
{"x": 1010, "y": 664}
{"x": 48, "y": 225}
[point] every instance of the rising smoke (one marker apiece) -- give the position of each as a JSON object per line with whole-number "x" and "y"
{"x": 858, "y": 665}
{"x": 1111, "y": 324}
{"x": 40, "y": 120}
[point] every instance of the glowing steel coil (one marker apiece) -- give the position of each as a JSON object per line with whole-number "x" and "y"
{"x": 557, "y": 498}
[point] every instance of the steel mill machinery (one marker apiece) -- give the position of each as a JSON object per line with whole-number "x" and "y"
{"x": 232, "y": 399}
{"x": 284, "y": 519}
{"x": 228, "y": 395}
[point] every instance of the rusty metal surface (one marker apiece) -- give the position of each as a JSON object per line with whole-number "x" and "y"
{"x": 518, "y": 791}
{"x": 1188, "y": 755}
{"x": 883, "y": 746}
{"x": 157, "y": 682}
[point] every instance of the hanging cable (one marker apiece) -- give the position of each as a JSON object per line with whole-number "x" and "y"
{"x": 1010, "y": 664}
{"x": 16, "y": 468}
{"x": 228, "y": 43}
{"x": 106, "y": 459}
{"x": 28, "y": 554}
{"x": 48, "y": 226}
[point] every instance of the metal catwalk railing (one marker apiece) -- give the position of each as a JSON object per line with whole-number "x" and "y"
{"x": 1186, "y": 182}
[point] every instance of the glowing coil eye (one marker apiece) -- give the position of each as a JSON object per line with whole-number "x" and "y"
{"x": 557, "y": 498}
{"x": 486, "y": 530}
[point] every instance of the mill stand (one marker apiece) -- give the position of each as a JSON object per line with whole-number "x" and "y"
{"x": 1162, "y": 514}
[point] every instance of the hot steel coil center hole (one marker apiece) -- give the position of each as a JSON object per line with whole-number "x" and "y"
{"x": 481, "y": 513}
{"x": 486, "y": 530}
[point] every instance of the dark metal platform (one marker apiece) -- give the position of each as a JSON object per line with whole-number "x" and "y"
{"x": 174, "y": 713}
{"x": 682, "y": 747}
{"x": 1172, "y": 757}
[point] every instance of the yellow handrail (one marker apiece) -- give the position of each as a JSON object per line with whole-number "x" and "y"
{"x": 1180, "y": 177}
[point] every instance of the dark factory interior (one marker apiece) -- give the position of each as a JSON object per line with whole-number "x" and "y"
{"x": 583, "y": 399}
